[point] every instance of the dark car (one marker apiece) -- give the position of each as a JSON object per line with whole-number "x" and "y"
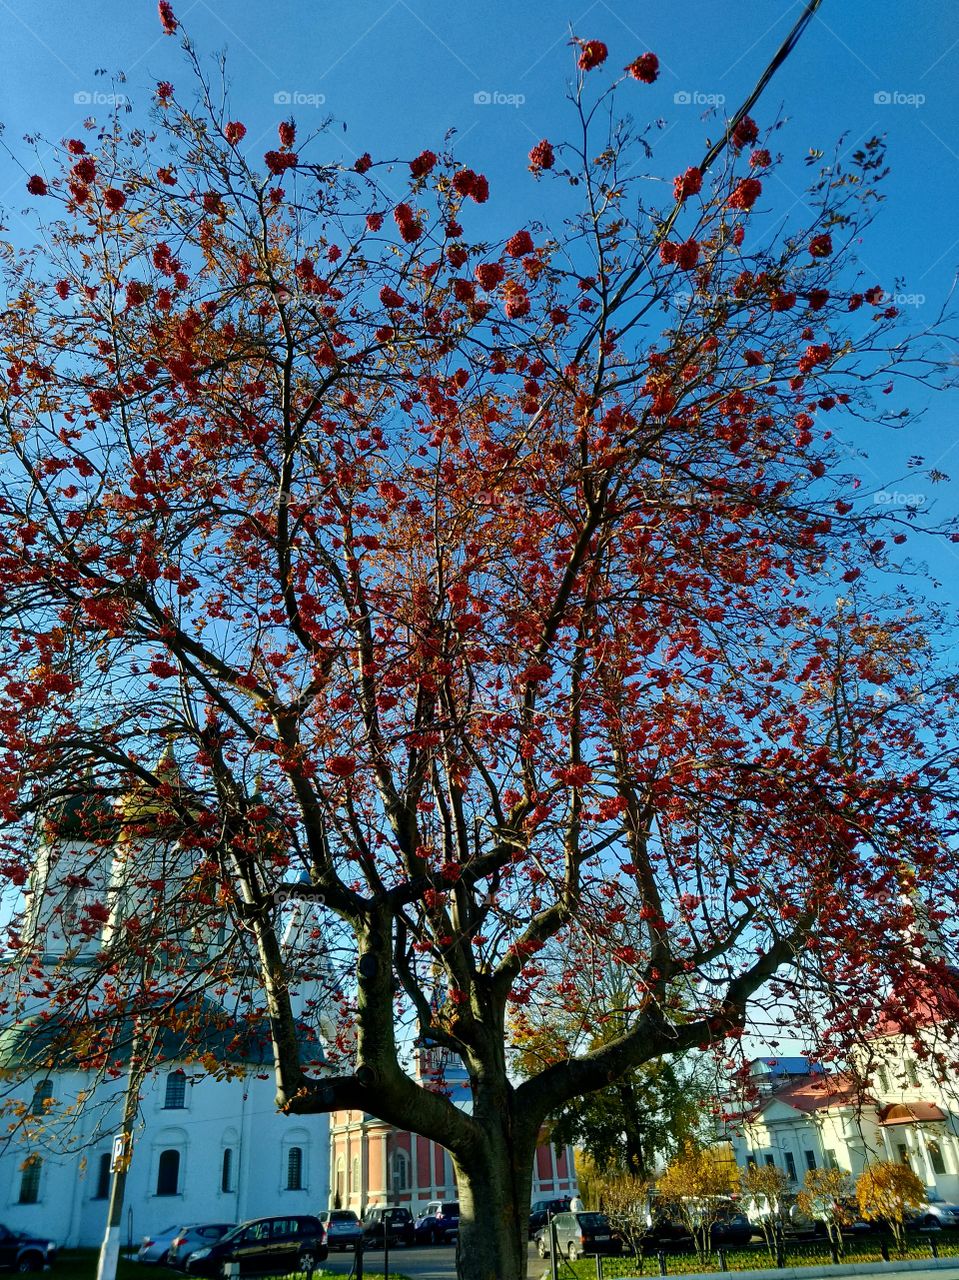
{"x": 343, "y": 1230}
{"x": 731, "y": 1229}
{"x": 393, "y": 1220}
{"x": 543, "y": 1210}
{"x": 439, "y": 1224}
{"x": 189, "y": 1239}
{"x": 20, "y": 1251}
{"x": 579, "y": 1234}
{"x": 282, "y": 1244}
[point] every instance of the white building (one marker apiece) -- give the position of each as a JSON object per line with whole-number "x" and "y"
{"x": 205, "y": 1148}
{"x": 897, "y": 1107}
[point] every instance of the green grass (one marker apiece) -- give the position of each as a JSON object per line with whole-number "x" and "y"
{"x": 81, "y": 1264}
{"x": 799, "y": 1253}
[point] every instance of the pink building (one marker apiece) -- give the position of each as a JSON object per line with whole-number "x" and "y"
{"x": 372, "y": 1163}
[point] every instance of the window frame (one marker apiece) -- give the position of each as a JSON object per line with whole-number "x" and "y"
{"x": 162, "y": 1179}
{"x": 30, "y": 1175}
{"x": 295, "y": 1161}
{"x": 104, "y": 1176}
{"x": 175, "y": 1085}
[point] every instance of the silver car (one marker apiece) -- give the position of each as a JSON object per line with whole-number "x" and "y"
{"x": 936, "y": 1213}
{"x": 343, "y": 1229}
{"x": 192, "y": 1238}
{"x": 156, "y": 1247}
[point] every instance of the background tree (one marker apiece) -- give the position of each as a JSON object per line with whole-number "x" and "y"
{"x": 767, "y": 1187}
{"x": 488, "y": 593}
{"x": 825, "y": 1198}
{"x": 640, "y": 1119}
{"x": 625, "y": 1201}
{"x": 885, "y": 1192}
{"x": 697, "y": 1184}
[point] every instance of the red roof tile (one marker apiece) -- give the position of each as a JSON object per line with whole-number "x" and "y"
{"x": 817, "y": 1093}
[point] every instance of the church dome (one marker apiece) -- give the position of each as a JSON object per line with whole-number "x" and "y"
{"x": 85, "y": 815}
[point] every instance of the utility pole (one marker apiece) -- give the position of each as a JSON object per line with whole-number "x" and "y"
{"x": 123, "y": 1143}
{"x": 119, "y": 1164}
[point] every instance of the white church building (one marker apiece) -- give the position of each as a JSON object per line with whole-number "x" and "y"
{"x": 896, "y": 1104}
{"x": 205, "y": 1148}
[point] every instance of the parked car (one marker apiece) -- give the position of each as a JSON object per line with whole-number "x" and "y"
{"x": 438, "y": 1223}
{"x": 155, "y": 1248}
{"x": 935, "y": 1213}
{"x": 189, "y": 1239}
{"x": 281, "y": 1244}
{"x": 579, "y": 1234}
{"x": 542, "y": 1210}
{"x": 20, "y": 1251}
{"x": 396, "y": 1220}
{"x": 731, "y": 1229}
{"x": 343, "y": 1229}
{"x": 800, "y": 1223}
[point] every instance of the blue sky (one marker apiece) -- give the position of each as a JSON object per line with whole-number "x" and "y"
{"x": 400, "y": 73}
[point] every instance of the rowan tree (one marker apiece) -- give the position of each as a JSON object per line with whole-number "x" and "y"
{"x": 487, "y": 592}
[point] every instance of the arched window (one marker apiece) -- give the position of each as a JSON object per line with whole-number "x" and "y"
{"x": 226, "y": 1170}
{"x": 294, "y": 1169}
{"x": 355, "y": 1174}
{"x": 168, "y": 1173}
{"x": 30, "y": 1181}
{"x": 340, "y": 1183}
{"x": 103, "y": 1176}
{"x": 400, "y": 1172}
{"x": 175, "y": 1091}
{"x": 42, "y": 1093}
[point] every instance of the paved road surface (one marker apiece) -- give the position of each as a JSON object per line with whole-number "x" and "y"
{"x": 419, "y": 1264}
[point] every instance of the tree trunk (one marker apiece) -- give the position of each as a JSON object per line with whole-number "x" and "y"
{"x": 494, "y": 1184}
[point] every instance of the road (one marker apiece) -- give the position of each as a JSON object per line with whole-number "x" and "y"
{"x": 418, "y": 1264}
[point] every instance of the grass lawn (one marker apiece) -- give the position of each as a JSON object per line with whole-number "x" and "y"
{"x": 799, "y": 1253}
{"x": 81, "y": 1264}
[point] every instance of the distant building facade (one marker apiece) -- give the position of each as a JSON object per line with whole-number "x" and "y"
{"x": 899, "y": 1109}
{"x": 204, "y": 1149}
{"x": 372, "y": 1163}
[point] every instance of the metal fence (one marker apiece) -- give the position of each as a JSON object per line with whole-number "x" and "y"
{"x": 786, "y": 1253}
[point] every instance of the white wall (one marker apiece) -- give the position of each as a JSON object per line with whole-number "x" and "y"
{"x": 240, "y": 1114}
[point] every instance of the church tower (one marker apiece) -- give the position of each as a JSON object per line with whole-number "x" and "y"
{"x": 70, "y": 876}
